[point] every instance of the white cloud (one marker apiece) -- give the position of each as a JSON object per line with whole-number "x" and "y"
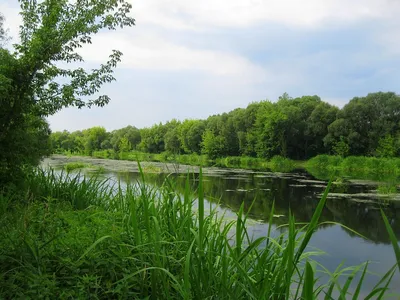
{"x": 194, "y": 14}
{"x": 152, "y": 52}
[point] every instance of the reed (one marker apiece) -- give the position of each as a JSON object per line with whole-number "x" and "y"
{"x": 81, "y": 237}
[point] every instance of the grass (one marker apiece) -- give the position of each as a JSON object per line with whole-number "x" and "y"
{"x": 387, "y": 189}
{"x": 243, "y": 162}
{"x": 188, "y": 159}
{"x": 362, "y": 167}
{"x": 321, "y": 166}
{"x": 276, "y": 164}
{"x": 74, "y": 166}
{"x": 281, "y": 164}
{"x": 77, "y": 237}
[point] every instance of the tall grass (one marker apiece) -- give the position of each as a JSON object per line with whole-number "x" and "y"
{"x": 276, "y": 164}
{"x": 244, "y": 162}
{"x": 324, "y": 166}
{"x": 189, "y": 159}
{"x": 281, "y": 164}
{"x": 84, "y": 238}
{"x": 74, "y": 166}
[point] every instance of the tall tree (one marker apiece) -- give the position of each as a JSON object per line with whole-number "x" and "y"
{"x": 30, "y": 85}
{"x": 364, "y": 120}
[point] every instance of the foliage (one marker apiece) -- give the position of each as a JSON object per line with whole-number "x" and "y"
{"x": 386, "y": 147}
{"x": 74, "y": 166}
{"x": 281, "y": 164}
{"x": 213, "y": 145}
{"x": 82, "y": 238}
{"x": 294, "y": 128}
{"x": 125, "y": 145}
{"x": 31, "y": 87}
{"x": 341, "y": 148}
{"x": 371, "y": 168}
{"x": 364, "y": 120}
{"x": 114, "y": 138}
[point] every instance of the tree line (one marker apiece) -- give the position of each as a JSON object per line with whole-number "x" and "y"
{"x": 296, "y": 128}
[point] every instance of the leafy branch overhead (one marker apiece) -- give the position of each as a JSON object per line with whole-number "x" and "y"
{"x": 44, "y": 73}
{"x": 51, "y": 33}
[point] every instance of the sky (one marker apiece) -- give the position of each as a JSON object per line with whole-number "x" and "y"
{"x": 187, "y": 59}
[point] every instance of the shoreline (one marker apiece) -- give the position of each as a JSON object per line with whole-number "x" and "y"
{"x": 114, "y": 165}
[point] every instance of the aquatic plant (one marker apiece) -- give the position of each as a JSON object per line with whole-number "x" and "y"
{"x": 281, "y": 164}
{"x": 74, "y": 166}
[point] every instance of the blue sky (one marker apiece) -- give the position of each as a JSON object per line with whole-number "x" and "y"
{"x": 191, "y": 59}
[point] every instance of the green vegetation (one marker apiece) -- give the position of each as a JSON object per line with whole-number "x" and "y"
{"x": 74, "y": 165}
{"x": 354, "y": 166}
{"x": 281, "y": 164}
{"x": 387, "y": 189}
{"x": 82, "y": 237}
{"x": 30, "y": 87}
{"x": 294, "y": 128}
{"x": 189, "y": 159}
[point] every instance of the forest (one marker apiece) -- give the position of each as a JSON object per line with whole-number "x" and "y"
{"x": 296, "y": 128}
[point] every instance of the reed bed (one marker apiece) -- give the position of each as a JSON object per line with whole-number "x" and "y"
{"x": 79, "y": 237}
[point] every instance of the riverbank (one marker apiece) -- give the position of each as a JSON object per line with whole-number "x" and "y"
{"x": 113, "y": 165}
{"x": 80, "y": 237}
{"x": 275, "y": 164}
{"x": 323, "y": 167}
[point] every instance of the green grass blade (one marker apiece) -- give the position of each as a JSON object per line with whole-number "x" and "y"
{"x": 393, "y": 238}
{"x": 308, "y": 287}
{"x": 360, "y": 282}
{"x": 313, "y": 224}
{"x": 201, "y": 210}
{"x": 94, "y": 245}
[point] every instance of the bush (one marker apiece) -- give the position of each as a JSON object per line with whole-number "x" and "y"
{"x": 281, "y": 164}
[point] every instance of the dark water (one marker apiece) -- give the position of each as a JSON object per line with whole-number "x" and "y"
{"x": 355, "y": 205}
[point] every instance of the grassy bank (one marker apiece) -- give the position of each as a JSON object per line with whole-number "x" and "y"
{"x": 324, "y": 166}
{"x": 188, "y": 159}
{"x": 75, "y": 237}
{"x": 276, "y": 164}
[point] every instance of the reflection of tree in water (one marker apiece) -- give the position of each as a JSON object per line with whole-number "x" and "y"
{"x": 365, "y": 218}
{"x": 232, "y": 191}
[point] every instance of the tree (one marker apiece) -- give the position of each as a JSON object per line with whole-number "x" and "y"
{"x": 129, "y": 132}
{"x": 94, "y": 137}
{"x": 364, "y": 120}
{"x": 152, "y": 139}
{"x": 213, "y": 146}
{"x": 190, "y": 135}
{"x": 30, "y": 85}
{"x": 341, "y": 148}
{"x": 386, "y": 147}
{"x": 171, "y": 141}
{"x": 322, "y": 116}
{"x": 124, "y": 145}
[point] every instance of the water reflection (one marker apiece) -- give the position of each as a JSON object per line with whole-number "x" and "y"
{"x": 300, "y": 195}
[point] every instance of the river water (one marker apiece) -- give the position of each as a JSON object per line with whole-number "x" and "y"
{"x": 355, "y": 204}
